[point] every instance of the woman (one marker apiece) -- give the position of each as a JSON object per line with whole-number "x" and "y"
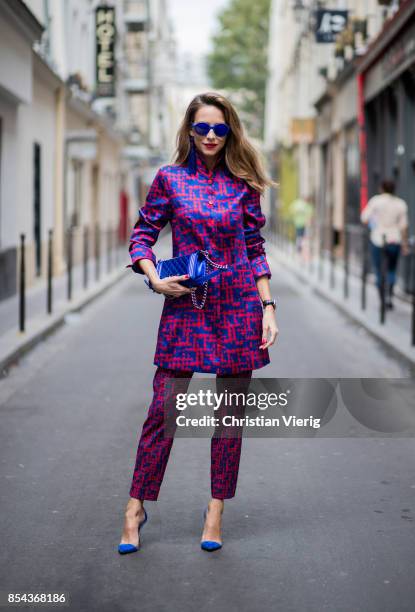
{"x": 387, "y": 217}
{"x": 211, "y": 197}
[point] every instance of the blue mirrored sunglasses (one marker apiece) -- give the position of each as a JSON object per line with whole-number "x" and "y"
{"x": 220, "y": 129}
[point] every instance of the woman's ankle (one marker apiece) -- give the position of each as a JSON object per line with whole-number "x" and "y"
{"x": 134, "y": 506}
{"x": 216, "y": 504}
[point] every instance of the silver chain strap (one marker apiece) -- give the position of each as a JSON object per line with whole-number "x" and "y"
{"x": 205, "y": 284}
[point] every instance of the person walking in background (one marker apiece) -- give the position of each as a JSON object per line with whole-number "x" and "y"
{"x": 387, "y": 218}
{"x": 301, "y": 212}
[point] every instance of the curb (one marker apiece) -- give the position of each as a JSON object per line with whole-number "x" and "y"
{"x": 48, "y": 327}
{"x": 400, "y": 352}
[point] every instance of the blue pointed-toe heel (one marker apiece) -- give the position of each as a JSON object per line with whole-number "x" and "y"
{"x": 124, "y": 549}
{"x": 209, "y": 545}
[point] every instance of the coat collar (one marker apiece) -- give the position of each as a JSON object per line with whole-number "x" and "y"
{"x": 202, "y": 167}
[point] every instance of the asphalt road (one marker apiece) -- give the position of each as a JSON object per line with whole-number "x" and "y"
{"x": 316, "y": 524}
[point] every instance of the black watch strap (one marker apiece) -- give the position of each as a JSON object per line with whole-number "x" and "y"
{"x": 269, "y": 302}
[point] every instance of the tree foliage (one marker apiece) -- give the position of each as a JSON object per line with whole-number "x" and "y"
{"x": 238, "y": 61}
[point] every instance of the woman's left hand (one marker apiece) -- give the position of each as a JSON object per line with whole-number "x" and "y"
{"x": 269, "y": 328}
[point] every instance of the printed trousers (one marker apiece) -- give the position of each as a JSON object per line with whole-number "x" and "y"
{"x": 154, "y": 446}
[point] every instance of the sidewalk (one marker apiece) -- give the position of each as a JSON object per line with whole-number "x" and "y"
{"x": 14, "y": 344}
{"x": 395, "y": 333}
{"x": 38, "y": 323}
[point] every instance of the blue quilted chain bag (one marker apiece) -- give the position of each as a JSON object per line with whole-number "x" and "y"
{"x": 197, "y": 265}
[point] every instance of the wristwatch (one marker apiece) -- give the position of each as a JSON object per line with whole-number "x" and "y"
{"x": 269, "y": 303}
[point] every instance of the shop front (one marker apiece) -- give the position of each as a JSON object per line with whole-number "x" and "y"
{"x": 388, "y": 74}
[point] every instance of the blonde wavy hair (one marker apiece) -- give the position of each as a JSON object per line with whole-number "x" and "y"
{"x": 242, "y": 158}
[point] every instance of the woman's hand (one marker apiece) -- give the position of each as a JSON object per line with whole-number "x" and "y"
{"x": 170, "y": 286}
{"x": 269, "y": 328}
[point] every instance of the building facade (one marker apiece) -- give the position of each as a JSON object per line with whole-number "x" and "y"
{"x": 83, "y": 121}
{"x": 19, "y": 29}
{"x": 340, "y": 109}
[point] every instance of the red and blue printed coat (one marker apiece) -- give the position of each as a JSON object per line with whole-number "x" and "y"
{"x": 215, "y": 211}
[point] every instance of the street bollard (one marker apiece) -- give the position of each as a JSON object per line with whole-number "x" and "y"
{"x": 86, "y": 257}
{"x": 97, "y": 252}
{"x": 22, "y": 285}
{"x": 291, "y": 244}
{"x": 332, "y": 281}
{"x": 69, "y": 262}
{"x": 412, "y": 281}
{"x": 293, "y": 241}
{"x": 112, "y": 247}
{"x": 50, "y": 273}
{"x": 313, "y": 250}
{"x": 310, "y": 250}
{"x": 108, "y": 234}
{"x": 117, "y": 248}
{"x": 365, "y": 242}
{"x": 382, "y": 316}
{"x": 320, "y": 256}
{"x": 346, "y": 263}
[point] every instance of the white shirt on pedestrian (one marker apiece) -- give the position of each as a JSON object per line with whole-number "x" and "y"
{"x": 388, "y": 215}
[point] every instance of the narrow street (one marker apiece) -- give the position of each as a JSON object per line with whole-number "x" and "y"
{"x": 275, "y": 135}
{"x": 334, "y": 531}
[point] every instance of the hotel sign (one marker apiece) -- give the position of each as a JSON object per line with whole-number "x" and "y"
{"x": 105, "y": 51}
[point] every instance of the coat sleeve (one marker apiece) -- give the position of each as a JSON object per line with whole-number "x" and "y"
{"x": 253, "y": 221}
{"x": 152, "y": 217}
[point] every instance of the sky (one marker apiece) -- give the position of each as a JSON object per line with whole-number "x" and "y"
{"x": 194, "y": 21}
